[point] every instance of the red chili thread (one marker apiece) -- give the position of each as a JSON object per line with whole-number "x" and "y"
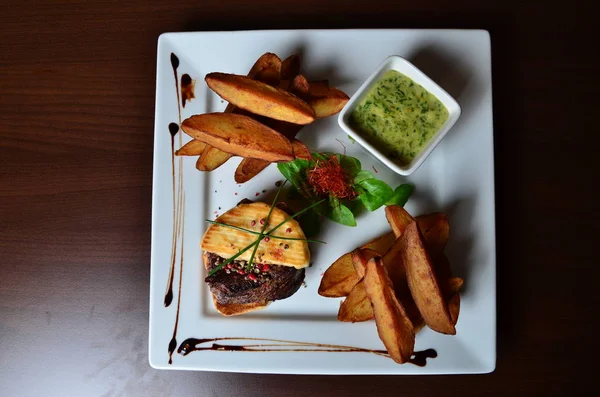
{"x": 329, "y": 178}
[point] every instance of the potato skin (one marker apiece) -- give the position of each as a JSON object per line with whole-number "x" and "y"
{"x": 260, "y": 98}
{"x": 239, "y": 135}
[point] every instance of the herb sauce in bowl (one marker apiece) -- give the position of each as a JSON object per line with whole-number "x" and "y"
{"x": 398, "y": 117}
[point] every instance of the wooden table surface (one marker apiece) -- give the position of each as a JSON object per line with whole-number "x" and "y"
{"x": 77, "y": 113}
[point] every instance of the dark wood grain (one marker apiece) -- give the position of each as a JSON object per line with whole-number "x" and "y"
{"x": 76, "y": 130}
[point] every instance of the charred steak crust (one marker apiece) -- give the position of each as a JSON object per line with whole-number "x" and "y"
{"x": 267, "y": 284}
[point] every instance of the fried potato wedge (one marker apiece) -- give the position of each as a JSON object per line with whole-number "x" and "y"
{"x": 326, "y": 101}
{"x": 423, "y": 283}
{"x": 360, "y": 258}
{"x": 339, "y": 279}
{"x": 260, "y": 98}
{"x": 395, "y": 267}
{"x": 300, "y": 150}
{"x": 434, "y": 227}
{"x": 436, "y": 230}
{"x": 212, "y": 158}
{"x": 330, "y": 288}
{"x": 300, "y": 87}
{"x": 398, "y": 218}
{"x": 192, "y": 148}
{"x": 267, "y": 69}
{"x": 239, "y": 135}
{"x": 357, "y": 306}
{"x": 249, "y": 168}
{"x": 395, "y": 329}
{"x": 327, "y": 106}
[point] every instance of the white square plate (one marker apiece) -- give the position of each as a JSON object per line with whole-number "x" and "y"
{"x": 457, "y": 178}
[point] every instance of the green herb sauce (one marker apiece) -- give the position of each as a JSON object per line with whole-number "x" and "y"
{"x": 399, "y": 117}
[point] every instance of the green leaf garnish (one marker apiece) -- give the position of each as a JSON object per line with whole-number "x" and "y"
{"x": 371, "y": 191}
{"x": 375, "y": 193}
{"x": 340, "y": 213}
{"x": 400, "y": 195}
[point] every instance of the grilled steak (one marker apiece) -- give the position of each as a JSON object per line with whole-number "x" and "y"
{"x": 262, "y": 283}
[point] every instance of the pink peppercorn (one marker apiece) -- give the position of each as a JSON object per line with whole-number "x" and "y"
{"x": 288, "y": 230}
{"x": 252, "y": 276}
{"x": 265, "y": 268}
{"x": 252, "y": 223}
{"x": 267, "y": 239}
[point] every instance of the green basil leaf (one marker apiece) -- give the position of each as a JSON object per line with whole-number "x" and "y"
{"x": 401, "y": 195}
{"x": 340, "y": 213}
{"x": 375, "y": 193}
{"x": 350, "y": 164}
{"x": 363, "y": 176}
{"x": 294, "y": 171}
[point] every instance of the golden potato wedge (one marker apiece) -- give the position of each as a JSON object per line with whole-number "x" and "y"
{"x": 398, "y": 218}
{"x": 423, "y": 283}
{"x": 198, "y": 164}
{"x": 192, "y": 148}
{"x": 326, "y": 101}
{"x": 267, "y": 69}
{"x": 395, "y": 329}
{"x": 300, "y": 150}
{"x": 434, "y": 227}
{"x": 357, "y": 306}
{"x": 360, "y": 258}
{"x": 300, "y": 87}
{"x": 239, "y": 135}
{"x": 381, "y": 244}
{"x": 249, "y": 168}
{"x": 327, "y": 106}
{"x": 212, "y": 158}
{"x": 397, "y": 273}
{"x": 339, "y": 279}
{"x": 436, "y": 230}
{"x": 453, "y": 285}
{"x": 260, "y": 98}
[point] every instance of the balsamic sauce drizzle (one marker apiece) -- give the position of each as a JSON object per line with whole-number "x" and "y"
{"x": 277, "y": 345}
{"x": 178, "y": 212}
{"x": 173, "y": 130}
{"x": 173, "y": 342}
{"x": 420, "y": 358}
